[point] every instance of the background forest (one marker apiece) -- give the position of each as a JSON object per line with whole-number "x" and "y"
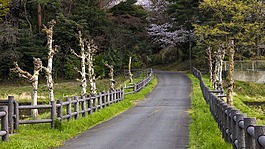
{"x": 159, "y": 32}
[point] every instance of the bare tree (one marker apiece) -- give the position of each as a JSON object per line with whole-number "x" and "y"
{"x": 130, "y": 73}
{"x": 111, "y": 75}
{"x": 33, "y": 79}
{"x": 51, "y": 51}
{"x": 82, "y": 56}
{"x": 230, "y": 73}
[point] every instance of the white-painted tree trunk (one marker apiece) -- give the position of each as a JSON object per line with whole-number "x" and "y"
{"x": 33, "y": 79}
{"x": 230, "y": 73}
{"x": 130, "y": 73}
{"x": 219, "y": 66}
{"x": 51, "y": 52}
{"x": 82, "y": 56}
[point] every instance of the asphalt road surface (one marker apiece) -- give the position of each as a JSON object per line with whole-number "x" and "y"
{"x": 160, "y": 121}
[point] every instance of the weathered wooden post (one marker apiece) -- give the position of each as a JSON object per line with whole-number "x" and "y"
{"x": 76, "y": 107}
{"x": 10, "y": 114}
{"x": 60, "y": 110}
{"x": 259, "y": 134}
{"x": 233, "y": 126}
{"x": 83, "y": 106}
{"x": 90, "y": 104}
{"x": 4, "y": 123}
{"x": 240, "y": 133}
{"x": 16, "y": 125}
{"x": 100, "y": 101}
{"x": 228, "y": 129}
{"x": 94, "y": 103}
{"x": 69, "y": 108}
{"x": 249, "y": 124}
{"x": 53, "y": 113}
{"x": 103, "y": 99}
{"x": 224, "y": 107}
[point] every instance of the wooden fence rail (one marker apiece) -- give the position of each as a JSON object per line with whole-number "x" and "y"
{"x": 236, "y": 127}
{"x": 140, "y": 84}
{"x": 4, "y": 123}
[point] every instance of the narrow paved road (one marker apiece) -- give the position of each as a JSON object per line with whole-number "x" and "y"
{"x": 160, "y": 121}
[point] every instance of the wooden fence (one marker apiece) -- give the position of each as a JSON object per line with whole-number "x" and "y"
{"x": 237, "y": 129}
{"x": 4, "y": 123}
{"x": 140, "y": 84}
{"x": 72, "y": 107}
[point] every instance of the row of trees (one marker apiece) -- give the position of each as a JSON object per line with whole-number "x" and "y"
{"x": 120, "y": 33}
{"x": 229, "y": 29}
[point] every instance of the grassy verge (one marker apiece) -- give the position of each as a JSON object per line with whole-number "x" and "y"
{"x": 41, "y": 136}
{"x": 204, "y": 132}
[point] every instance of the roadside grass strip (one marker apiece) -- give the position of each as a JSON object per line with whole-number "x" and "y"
{"x": 41, "y": 136}
{"x": 204, "y": 132}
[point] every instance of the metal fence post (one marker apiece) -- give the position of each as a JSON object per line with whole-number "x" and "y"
{"x": 10, "y": 114}
{"x": 249, "y": 140}
{"x": 4, "y": 123}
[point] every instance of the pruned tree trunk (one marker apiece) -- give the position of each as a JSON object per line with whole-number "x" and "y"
{"x": 33, "y": 79}
{"x": 51, "y": 52}
{"x": 230, "y": 73}
{"x": 214, "y": 73}
{"x": 91, "y": 48}
{"x": 130, "y": 73}
{"x": 210, "y": 63}
{"x": 82, "y": 56}
{"x": 219, "y": 66}
{"x": 111, "y": 75}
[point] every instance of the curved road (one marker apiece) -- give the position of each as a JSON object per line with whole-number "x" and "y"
{"x": 160, "y": 121}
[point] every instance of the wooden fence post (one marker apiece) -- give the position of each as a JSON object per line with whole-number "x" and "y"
{"x": 228, "y": 129}
{"x": 10, "y": 114}
{"x": 249, "y": 140}
{"x": 233, "y": 126}
{"x": 4, "y": 123}
{"x": 108, "y": 98}
{"x": 76, "y": 107}
{"x": 240, "y": 133}
{"x": 53, "y": 114}
{"x": 259, "y": 131}
{"x": 224, "y": 107}
{"x": 100, "y": 101}
{"x": 16, "y": 125}
{"x": 103, "y": 99}
{"x": 69, "y": 108}
{"x": 60, "y": 110}
{"x": 83, "y": 106}
{"x": 90, "y": 104}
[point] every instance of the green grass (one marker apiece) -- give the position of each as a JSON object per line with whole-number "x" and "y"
{"x": 41, "y": 136}
{"x": 204, "y": 131}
